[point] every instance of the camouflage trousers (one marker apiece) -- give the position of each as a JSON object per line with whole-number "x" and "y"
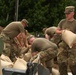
{"x": 9, "y": 46}
{"x": 46, "y": 57}
{"x": 66, "y": 59}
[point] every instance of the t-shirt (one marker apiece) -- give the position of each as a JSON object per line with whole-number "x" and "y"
{"x": 41, "y": 44}
{"x": 13, "y": 29}
{"x": 69, "y": 25}
{"x": 50, "y": 31}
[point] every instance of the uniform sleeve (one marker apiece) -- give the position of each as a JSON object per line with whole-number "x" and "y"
{"x": 21, "y": 28}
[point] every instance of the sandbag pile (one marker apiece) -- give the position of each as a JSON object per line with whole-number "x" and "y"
{"x": 20, "y": 64}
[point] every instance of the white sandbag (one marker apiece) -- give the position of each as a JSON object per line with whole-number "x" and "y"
{"x": 5, "y": 58}
{"x": 27, "y": 56}
{"x": 20, "y": 64}
{"x": 6, "y": 64}
{"x": 69, "y": 37}
{"x": 69, "y": 73}
{"x": 55, "y": 71}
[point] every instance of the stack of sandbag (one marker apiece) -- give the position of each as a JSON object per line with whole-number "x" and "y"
{"x": 6, "y": 62}
{"x": 69, "y": 37}
{"x": 20, "y": 64}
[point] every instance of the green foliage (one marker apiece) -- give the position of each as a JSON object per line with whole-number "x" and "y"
{"x": 39, "y": 13}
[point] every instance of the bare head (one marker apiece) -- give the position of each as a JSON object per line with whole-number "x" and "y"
{"x": 30, "y": 39}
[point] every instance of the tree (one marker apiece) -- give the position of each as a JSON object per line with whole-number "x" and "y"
{"x": 39, "y": 13}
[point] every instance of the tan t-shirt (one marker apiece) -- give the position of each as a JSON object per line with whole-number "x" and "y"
{"x": 50, "y": 31}
{"x": 69, "y": 25}
{"x": 13, "y": 29}
{"x": 40, "y": 44}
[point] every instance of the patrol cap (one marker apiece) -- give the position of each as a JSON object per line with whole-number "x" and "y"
{"x": 25, "y": 21}
{"x": 69, "y": 9}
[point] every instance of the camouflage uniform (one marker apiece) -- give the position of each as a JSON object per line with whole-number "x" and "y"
{"x": 8, "y": 45}
{"x": 52, "y": 36}
{"x": 8, "y": 34}
{"x": 66, "y": 55}
{"x": 50, "y": 32}
{"x": 46, "y": 49}
{"x": 6, "y": 39}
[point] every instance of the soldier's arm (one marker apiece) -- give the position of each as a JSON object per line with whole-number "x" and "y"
{"x": 58, "y": 31}
{"x": 24, "y": 39}
{"x": 19, "y": 39}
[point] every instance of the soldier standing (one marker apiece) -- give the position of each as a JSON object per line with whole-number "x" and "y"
{"x": 49, "y": 32}
{"x": 67, "y": 54}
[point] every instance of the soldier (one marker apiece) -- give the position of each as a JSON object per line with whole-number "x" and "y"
{"x": 20, "y": 43}
{"x": 28, "y": 55}
{"x": 49, "y": 32}
{"x": 9, "y": 33}
{"x": 46, "y": 49}
{"x": 67, "y": 54}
